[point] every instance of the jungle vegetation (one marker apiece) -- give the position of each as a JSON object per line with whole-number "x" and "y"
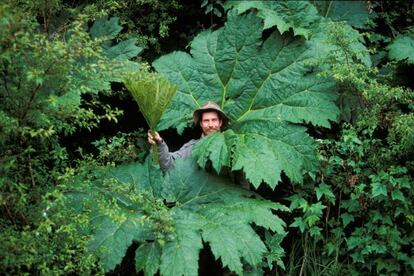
{"x": 321, "y": 106}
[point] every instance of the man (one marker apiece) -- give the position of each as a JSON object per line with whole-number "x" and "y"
{"x": 209, "y": 117}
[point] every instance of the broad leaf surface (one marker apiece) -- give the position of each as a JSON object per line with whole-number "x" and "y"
{"x": 299, "y": 16}
{"x": 104, "y": 27}
{"x": 402, "y": 48}
{"x": 116, "y": 217}
{"x": 222, "y": 213}
{"x": 111, "y": 238}
{"x": 124, "y": 207}
{"x": 355, "y": 13}
{"x": 148, "y": 258}
{"x": 304, "y": 19}
{"x": 180, "y": 256}
{"x": 140, "y": 178}
{"x": 124, "y": 50}
{"x": 263, "y": 86}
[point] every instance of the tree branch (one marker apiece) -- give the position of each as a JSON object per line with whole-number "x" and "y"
{"x": 31, "y": 172}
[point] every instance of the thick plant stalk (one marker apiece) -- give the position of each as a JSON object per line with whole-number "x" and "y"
{"x": 154, "y": 151}
{"x": 152, "y": 94}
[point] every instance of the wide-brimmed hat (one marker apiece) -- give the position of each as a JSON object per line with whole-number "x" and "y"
{"x": 210, "y": 106}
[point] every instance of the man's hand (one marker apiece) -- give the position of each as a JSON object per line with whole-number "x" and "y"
{"x": 152, "y": 139}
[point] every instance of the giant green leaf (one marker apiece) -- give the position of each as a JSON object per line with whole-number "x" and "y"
{"x": 116, "y": 217}
{"x": 266, "y": 88}
{"x": 180, "y": 255}
{"x": 192, "y": 207}
{"x": 355, "y": 13}
{"x": 300, "y": 16}
{"x": 402, "y": 48}
{"x": 303, "y": 18}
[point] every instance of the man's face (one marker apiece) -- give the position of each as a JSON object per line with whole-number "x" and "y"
{"x": 210, "y": 122}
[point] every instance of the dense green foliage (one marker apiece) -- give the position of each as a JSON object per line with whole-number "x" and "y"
{"x": 146, "y": 20}
{"x": 355, "y": 215}
{"x": 171, "y": 215}
{"x": 320, "y": 100}
{"x": 44, "y": 78}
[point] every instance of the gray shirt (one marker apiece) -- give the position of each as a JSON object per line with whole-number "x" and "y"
{"x": 167, "y": 158}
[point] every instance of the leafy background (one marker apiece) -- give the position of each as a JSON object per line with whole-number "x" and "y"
{"x": 342, "y": 164}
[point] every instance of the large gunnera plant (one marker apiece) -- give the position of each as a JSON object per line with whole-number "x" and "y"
{"x": 171, "y": 216}
{"x": 267, "y": 88}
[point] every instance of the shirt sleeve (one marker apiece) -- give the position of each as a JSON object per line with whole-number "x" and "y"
{"x": 167, "y": 158}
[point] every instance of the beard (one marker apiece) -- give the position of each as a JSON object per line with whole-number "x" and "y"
{"x": 210, "y": 131}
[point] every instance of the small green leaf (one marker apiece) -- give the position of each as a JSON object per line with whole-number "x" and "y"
{"x": 347, "y": 218}
{"x": 276, "y": 250}
{"x": 297, "y": 202}
{"x": 398, "y": 195}
{"x": 299, "y": 223}
{"x": 331, "y": 247}
{"x": 316, "y": 209}
{"x": 378, "y": 189}
{"x": 124, "y": 50}
{"x": 315, "y": 231}
{"x": 325, "y": 190}
{"x": 311, "y": 220}
{"x": 357, "y": 257}
{"x": 217, "y": 12}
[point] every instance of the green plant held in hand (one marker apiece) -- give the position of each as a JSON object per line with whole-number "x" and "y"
{"x": 153, "y": 94}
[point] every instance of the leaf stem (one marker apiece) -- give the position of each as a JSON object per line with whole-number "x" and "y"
{"x": 328, "y": 9}
{"x": 305, "y": 255}
{"x": 154, "y": 151}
